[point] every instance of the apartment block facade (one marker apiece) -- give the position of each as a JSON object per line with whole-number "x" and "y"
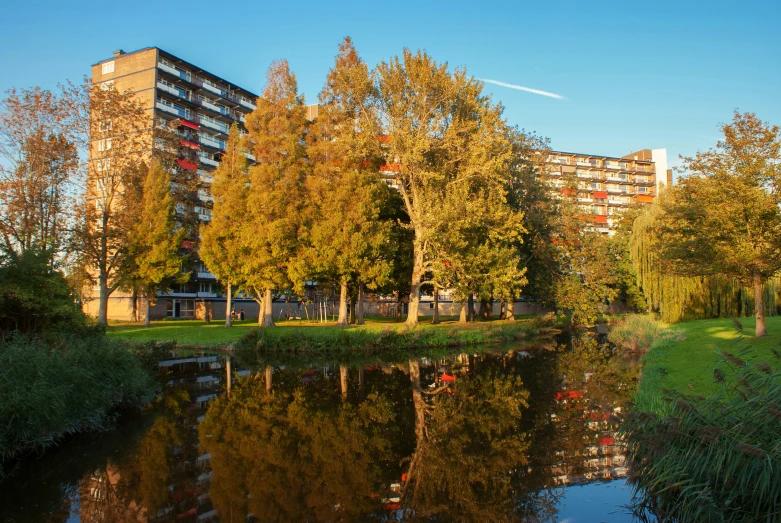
{"x": 607, "y": 185}
{"x": 202, "y": 107}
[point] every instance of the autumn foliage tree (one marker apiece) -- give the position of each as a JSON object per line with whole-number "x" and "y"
{"x": 724, "y": 218}
{"x": 345, "y": 234}
{"x": 222, "y": 247}
{"x": 277, "y": 130}
{"x": 155, "y": 239}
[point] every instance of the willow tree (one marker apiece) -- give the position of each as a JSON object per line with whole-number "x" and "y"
{"x": 344, "y": 234}
{"x": 221, "y": 239}
{"x": 725, "y": 216}
{"x": 277, "y": 130}
{"x": 441, "y": 131}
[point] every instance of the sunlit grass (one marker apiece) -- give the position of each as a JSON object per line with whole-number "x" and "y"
{"x": 197, "y": 332}
{"x": 687, "y": 366}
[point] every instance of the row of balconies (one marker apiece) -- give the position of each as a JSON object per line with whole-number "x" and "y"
{"x": 207, "y": 85}
{"x": 598, "y": 164}
{"x": 201, "y": 101}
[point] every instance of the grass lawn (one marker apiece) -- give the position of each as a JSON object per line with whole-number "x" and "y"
{"x": 196, "y": 332}
{"x": 687, "y": 366}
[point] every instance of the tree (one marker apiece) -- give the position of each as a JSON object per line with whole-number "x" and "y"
{"x": 586, "y": 280}
{"x": 344, "y": 235}
{"x": 277, "y": 130}
{"x": 113, "y": 128}
{"x": 724, "y": 216}
{"x": 156, "y": 239}
{"x": 221, "y": 239}
{"x": 444, "y": 139}
{"x": 39, "y": 174}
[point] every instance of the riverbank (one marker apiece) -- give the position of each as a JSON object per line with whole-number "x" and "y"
{"x": 64, "y": 385}
{"x": 686, "y": 366}
{"x": 377, "y": 333}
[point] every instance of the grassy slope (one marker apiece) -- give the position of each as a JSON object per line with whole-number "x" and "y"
{"x": 687, "y": 366}
{"x": 196, "y": 332}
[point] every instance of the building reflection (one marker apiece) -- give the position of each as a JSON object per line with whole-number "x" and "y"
{"x": 488, "y": 436}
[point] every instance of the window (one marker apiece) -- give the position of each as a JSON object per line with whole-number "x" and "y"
{"x": 104, "y": 145}
{"x": 105, "y": 86}
{"x": 108, "y": 67}
{"x": 104, "y": 126}
{"x": 103, "y": 165}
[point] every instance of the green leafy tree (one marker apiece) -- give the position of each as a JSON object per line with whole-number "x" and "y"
{"x": 724, "y": 218}
{"x": 445, "y": 140}
{"x": 277, "y": 130}
{"x": 221, "y": 244}
{"x": 156, "y": 239}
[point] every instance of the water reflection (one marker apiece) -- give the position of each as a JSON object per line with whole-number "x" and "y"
{"x": 491, "y": 436}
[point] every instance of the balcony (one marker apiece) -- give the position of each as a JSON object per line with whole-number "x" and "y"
{"x": 184, "y": 75}
{"x": 209, "y": 161}
{"x": 212, "y": 88}
{"x": 213, "y": 124}
{"x": 178, "y": 111}
{"x": 181, "y": 93}
{"x": 247, "y": 103}
{"x": 212, "y": 142}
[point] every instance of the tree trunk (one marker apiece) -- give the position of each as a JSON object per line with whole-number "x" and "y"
{"x": 435, "y": 321}
{"x": 470, "y": 305}
{"x": 759, "y": 306}
{"x": 342, "y": 321}
{"x": 268, "y": 378}
{"x": 414, "y": 296}
{"x": 509, "y": 311}
{"x": 489, "y": 308}
{"x": 228, "y": 376}
{"x": 462, "y": 315}
{"x": 134, "y": 314}
{"x": 147, "y": 308}
{"x": 229, "y": 296}
{"x": 103, "y": 301}
{"x": 360, "y": 303}
{"x": 343, "y": 380}
{"x": 268, "y": 312}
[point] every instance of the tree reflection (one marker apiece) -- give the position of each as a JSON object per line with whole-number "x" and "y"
{"x": 468, "y": 447}
{"x": 297, "y": 453}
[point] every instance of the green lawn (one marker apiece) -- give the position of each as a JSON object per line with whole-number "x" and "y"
{"x": 687, "y": 366}
{"x": 196, "y": 332}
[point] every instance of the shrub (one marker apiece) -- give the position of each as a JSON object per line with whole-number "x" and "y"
{"x": 714, "y": 459}
{"x": 641, "y": 332}
{"x": 54, "y": 388}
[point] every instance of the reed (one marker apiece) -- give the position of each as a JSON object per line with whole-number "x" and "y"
{"x": 716, "y": 458}
{"x": 62, "y": 385}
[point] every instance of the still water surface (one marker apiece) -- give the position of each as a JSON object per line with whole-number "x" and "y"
{"x": 500, "y": 435}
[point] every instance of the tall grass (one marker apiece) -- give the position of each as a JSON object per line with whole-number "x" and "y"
{"x": 319, "y": 340}
{"x": 60, "y": 386}
{"x": 640, "y": 332}
{"x": 712, "y": 459}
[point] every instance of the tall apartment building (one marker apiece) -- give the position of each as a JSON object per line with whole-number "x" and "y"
{"x": 607, "y": 185}
{"x": 202, "y": 107}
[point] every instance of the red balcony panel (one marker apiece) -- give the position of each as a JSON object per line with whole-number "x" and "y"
{"x": 189, "y": 124}
{"x": 191, "y": 145}
{"x": 385, "y": 138}
{"x": 188, "y": 244}
{"x": 569, "y": 191}
{"x": 598, "y": 218}
{"x": 186, "y": 164}
{"x": 391, "y": 167}
{"x": 600, "y": 194}
{"x": 645, "y": 198}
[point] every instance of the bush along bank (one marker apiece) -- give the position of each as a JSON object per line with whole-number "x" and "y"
{"x": 715, "y": 458}
{"x": 421, "y": 337}
{"x": 65, "y": 384}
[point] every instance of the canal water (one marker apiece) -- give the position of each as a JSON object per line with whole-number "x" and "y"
{"x": 511, "y": 434}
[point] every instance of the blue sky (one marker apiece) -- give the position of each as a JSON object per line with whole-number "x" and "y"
{"x": 632, "y": 75}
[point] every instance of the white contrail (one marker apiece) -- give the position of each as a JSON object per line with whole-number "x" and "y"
{"x": 522, "y": 88}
